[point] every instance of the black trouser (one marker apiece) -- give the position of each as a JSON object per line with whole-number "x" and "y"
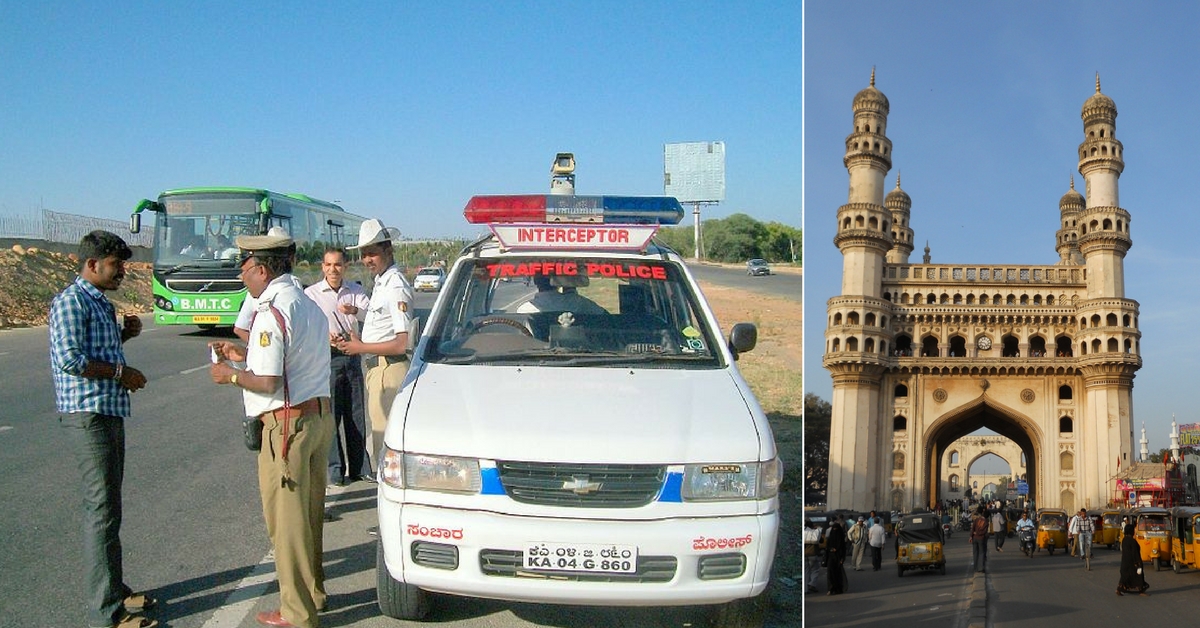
{"x": 99, "y": 444}
{"x": 349, "y": 460}
{"x": 876, "y": 557}
{"x": 1000, "y": 539}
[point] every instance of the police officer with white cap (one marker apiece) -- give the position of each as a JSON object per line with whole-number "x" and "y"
{"x": 286, "y": 384}
{"x": 386, "y": 327}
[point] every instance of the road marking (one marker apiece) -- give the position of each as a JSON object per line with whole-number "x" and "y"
{"x": 240, "y": 602}
{"x": 5, "y": 352}
{"x": 190, "y": 371}
{"x": 5, "y": 428}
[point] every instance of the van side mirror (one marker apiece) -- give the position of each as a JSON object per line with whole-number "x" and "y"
{"x": 742, "y": 338}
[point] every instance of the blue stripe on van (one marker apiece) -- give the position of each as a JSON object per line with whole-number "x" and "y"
{"x": 491, "y": 482}
{"x": 671, "y": 488}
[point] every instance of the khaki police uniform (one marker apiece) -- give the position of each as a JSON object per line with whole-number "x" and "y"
{"x": 389, "y": 314}
{"x": 295, "y": 450}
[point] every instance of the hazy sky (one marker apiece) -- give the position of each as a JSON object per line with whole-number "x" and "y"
{"x": 985, "y": 124}
{"x": 401, "y": 110}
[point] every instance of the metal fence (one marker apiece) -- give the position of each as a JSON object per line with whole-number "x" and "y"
{"x": 69, "y": 228}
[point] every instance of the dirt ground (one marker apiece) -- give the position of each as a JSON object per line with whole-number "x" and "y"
{"x": 31, "y": 278}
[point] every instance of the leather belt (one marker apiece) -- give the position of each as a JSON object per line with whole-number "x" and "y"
{"x": 384, "y": 360}
{"x": 304, "y": 408}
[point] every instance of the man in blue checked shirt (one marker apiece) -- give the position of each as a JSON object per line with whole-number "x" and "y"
{"x": 92, "y": 385}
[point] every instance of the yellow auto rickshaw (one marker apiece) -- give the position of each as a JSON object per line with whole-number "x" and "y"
{"x": 1152, "y": 530}
{"x": 1108, "y": 526}
{"x": 919, "y": 543}
{"x": 1051, "y": 529}
{"x": 1185, "y": 538}
{"x": 1011, "y": 517}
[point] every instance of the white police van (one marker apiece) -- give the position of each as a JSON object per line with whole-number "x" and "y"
{"x": 573, "y": 429}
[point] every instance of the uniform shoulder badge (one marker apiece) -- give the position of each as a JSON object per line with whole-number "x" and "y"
{"x": 264, "y": 339}
{"x": 403, "y": 305}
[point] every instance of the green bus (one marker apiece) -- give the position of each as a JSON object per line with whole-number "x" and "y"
{"x": 196, "y": 276}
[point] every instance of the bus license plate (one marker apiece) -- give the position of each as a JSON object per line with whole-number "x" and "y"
{"x": 206, "y": 319}
{"x": 589, "y": 557}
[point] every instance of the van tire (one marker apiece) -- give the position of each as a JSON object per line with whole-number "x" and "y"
{"x": 398, "y": 600}
{"x": 747, "y": 612}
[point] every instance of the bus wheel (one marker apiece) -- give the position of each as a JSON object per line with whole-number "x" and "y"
{"x": 398, "y": 600}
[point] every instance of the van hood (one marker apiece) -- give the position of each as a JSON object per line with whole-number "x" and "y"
{"x": 589, "y": 415}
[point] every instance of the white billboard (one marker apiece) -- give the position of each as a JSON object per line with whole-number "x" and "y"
{"x": 694, "y": 172}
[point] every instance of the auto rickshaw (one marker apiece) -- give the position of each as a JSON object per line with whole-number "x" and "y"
{"x": 1153, "y": 534}
{"x": 919, "y": 543}
{"x": 1185, "y": 538}
{"x": 1011, "y": 517}
{"x": 1051, "y": 529}
{"x": 1108, "y": 527}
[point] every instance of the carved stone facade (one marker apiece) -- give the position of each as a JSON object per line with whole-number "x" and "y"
{"x": 924, "y": 354}
{"x": 956, "y": 463}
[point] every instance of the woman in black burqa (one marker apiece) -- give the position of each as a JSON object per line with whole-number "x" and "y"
{"x": 835, "y": 554}
{"x": 1132, "y": 579}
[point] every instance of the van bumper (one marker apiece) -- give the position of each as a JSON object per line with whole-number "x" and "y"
{"x": 488, "y": 547}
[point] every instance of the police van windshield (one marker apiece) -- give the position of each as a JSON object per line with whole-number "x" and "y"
{"x": 571, "y": 311}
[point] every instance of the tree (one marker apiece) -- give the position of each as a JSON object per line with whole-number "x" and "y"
{"x": 818, "y": 414}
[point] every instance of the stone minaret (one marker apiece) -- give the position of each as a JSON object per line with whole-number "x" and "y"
{"x": 856, "y": 340}
{"x": 1145, "y": 444}
{"x": 899, "y": 204}
{"x": 1067, "y": 238}
{"x": 1108, "y": 338}
{"x": 1174, "y": 440}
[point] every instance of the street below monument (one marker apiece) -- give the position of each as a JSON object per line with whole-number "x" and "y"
{"x": 1042, "y": 591}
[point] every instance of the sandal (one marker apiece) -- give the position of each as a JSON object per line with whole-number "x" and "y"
{"x": 138, "y": 602}
{"x": 135, "y": 621}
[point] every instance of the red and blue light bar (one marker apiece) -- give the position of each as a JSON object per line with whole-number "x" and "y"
{"x": 549, "y": 208}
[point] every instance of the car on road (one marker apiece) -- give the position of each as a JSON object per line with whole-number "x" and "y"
{"x": 757, "y": 267}
{"x": 585, "y": 438}
{"x": 429, "y": 279}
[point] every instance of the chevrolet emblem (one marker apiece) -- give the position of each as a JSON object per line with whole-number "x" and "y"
{"x": 581, "y": 485}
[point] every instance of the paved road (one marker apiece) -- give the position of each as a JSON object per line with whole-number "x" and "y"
{"x": 789, "y": 285}
{"x": 193, "y": 531}
{"x": 1043, "y": 591}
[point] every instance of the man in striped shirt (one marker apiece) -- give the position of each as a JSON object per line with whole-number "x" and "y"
{"x": 91, "y": 387}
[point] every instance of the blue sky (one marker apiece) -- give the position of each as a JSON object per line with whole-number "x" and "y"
{"x": 400, "y": 110}
{"x": 985, "y": 123}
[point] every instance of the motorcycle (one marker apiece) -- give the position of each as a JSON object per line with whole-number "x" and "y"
{"x": 1026, "y": 536}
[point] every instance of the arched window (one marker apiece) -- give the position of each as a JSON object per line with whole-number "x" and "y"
{"x": 954, "y": 458}
{"x": 1066, "y": 462}
{"x": 883, "y": 321}
{"x": 1012, "y": 300}
{"x": 1068, "y": 497}
{"x": 901, "y": 390}
{"x": 1064, "y": 392}
{"x": 1125, "y": 320}
{"x": 903, "y": 345}
{"x": 1107, "y": 224}
{"x": 929, "y": 347}
{"x": 1009, "y": 347}
{"x": 970, "y": 299}
{"x": 1062, "y": 347}
{"x": 954, "y": 483}
{"x": 1095, "y": 320}
{"x": 1096, "y": 346}
{"x": 859, "y": 222}
{"x": 1082, "y": 322}
{"x": 1024, "y": 299}
{"x": 1066, "y": 425}
{"x": 852, "y": 318}
{"x": 983, "y": 299}
{"x": 958, "y": 299}
{"x": 1128, "y": 346}
{"x": 837, "y": 345}
{"x": 887, "y": 296}
{"x": 1050, "y": 299}
{"x": 1037, "y": 347}
{"x": 1037, "y": 299}
{"x": 869, "y": 345}
{"x": 852, "y": 343}
{"x": 873, "y": 223}
{"x": 931, "y": 299}
{"x": 846, "y": 223}
{"x": 1113, "y": 346}
{"x": 904, "y": 299}
{"x": 1083, "y": 348}
{"x": 899, "y": 424}
{"x": 898, "y": 461}
{"x": 870, "y": 320}
{"x": 945, "y": 298}
{"x": 1111, "y": 319}
{"x": 958, "y": 347}
{"x": 996, "y": 300}
{"x": 837, "y": 318}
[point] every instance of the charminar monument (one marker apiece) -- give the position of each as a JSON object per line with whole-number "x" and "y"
{"x": 924, "y": 354}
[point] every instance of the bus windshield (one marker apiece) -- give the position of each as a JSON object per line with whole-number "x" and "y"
{"x": 201, "y": 232}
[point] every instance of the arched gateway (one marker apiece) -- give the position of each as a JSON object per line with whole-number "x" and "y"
{"x": 924, "y": 354}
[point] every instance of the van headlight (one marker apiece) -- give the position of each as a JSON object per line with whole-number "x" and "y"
{"x": 430, "y": 473}
{"x": 744, "y": 480}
